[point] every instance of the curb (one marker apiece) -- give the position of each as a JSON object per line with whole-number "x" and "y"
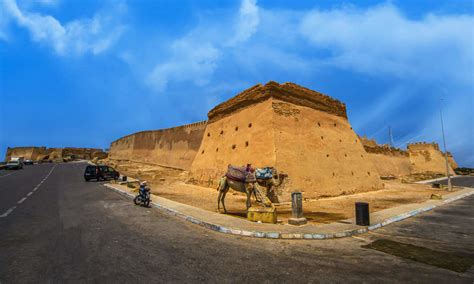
{"x": 291, "y": 236}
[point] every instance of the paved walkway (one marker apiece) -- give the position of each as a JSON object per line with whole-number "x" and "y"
{"x": 344, "y": 228}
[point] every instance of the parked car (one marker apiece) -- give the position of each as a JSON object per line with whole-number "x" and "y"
{"x": 100, "y": 172}
{"x": 14, "y": 165}
{"x": 28, "y": 162}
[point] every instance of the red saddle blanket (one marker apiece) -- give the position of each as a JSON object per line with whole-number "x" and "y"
{"x": 240, "y": 174}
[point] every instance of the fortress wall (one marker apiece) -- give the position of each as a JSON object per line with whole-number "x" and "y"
{"x": 426, "y": 157}
{"x": 40, "y": 153}
{"x": 28, "y": 153}
{"x": 54, "y": 153}
{"x": 391, "y": 165}
{"x": 320, "y": 152}
{"x": 81, "y": 153}
{"x": 122, "y": 148}
{"x": 174, "y": 147}
{"x": 302, "y": 133}
{"x": 244, "y": 137}
{"x": 389, "y": 161}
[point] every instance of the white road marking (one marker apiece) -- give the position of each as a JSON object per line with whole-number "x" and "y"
{"x": 7, "y": 212}
{"x": 10, "y": 210}
{"x": 6, "y": 175}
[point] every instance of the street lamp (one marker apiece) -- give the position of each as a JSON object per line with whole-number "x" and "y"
{"x": 450, "y": 188}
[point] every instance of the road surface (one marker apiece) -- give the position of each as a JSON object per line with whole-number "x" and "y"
{"x": 55, "y": 227}
{"x": 466, "y": 181}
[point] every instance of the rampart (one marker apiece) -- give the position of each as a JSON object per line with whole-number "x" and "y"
{"x": 172, "y": 147}
{"x": 419, "y": 157}
{"x": 426, "y": 157}
{"x": 42, "y": 153}
{"x": 302, "y": 133}
{"x": 388, "y": 160}
{"x": 28, "y": 153}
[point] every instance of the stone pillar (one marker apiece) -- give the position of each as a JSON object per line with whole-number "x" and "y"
{"x": 297, "y": 209}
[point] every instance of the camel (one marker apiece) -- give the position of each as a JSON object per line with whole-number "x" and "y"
{"x": 248, "y": 188}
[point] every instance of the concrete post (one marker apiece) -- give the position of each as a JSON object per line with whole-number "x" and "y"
{"x": 297, "y": 209}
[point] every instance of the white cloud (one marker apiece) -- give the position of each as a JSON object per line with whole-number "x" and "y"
{"x": 382, "y": 40}
{"x": 191, "y": 60}
{"x": 195, "y": 56}
{"x": 76, "y": 37}
{"x": 247, "y": 21}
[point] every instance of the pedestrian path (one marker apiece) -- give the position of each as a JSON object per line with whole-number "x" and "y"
{"x": 344, "y": 228}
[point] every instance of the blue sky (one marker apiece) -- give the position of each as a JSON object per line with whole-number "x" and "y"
{"x": 84, "y": 73}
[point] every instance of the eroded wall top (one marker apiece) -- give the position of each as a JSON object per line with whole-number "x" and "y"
{"x": 288, "y": 92}
{"x": 371, "y": 146}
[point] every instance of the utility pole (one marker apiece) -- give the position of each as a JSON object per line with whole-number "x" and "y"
{"x": 450, "y": 188}
{"x": 390, "y": 136}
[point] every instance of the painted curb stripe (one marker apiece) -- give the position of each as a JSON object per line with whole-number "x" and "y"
{"x": 292, "y": 236}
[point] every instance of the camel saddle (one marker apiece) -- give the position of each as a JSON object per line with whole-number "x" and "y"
{"x": 264, "y": 173}
{"x": 240, "y": 174}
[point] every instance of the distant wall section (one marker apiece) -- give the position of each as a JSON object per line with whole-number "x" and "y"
{"x": 426, "y": 157}
{"x": 173, "y": 147}
{"x": 43, "y": 153}
{"x": 389, "y": 161}
{"x": 28, "y": 153}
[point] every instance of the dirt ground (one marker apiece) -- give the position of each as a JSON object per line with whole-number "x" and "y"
{"x": 318, "y": 211}
{"x": 170, "y": 184}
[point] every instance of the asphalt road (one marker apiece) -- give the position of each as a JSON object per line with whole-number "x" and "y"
{"x": 69, "y": 230}
{"x": 466, "y": 181}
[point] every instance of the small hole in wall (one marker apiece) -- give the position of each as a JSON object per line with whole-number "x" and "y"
{"x": 345, "y": 155}
{"x": 327, "y": 155}
{"x": 217, "y": 149}
{"x": 250, "y": 125}
{"x": 368, "y": 173}
{"x": 202, "y": 152}
{"x": 340, "y": 140}
{"x": 236, "y": 128}
{"x": 208, "y": 134}
{"x": 246, "y": 143}
{"x": 319, "y": 124}
{"x": 335, "y": 125}
{"x": 333, "y": 174}
{"x": 233, "y": 146}
{"x": 351, "y": 127}
{"x": 361, "y": 156}
{"x": 322, "y": 137}
{"x": 352, "y": 173}
{"x": 222, "y": 132}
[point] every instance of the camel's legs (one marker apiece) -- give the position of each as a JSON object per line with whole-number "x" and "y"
{"x": 219, "y": 200}
{"x": 249, "y": 194}
{"x": 223, "y": 198}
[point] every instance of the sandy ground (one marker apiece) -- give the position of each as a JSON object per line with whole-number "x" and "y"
{"x": 170, "y": 183}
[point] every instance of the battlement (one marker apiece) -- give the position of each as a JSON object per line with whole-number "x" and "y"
{"x": 371, "y": 146}
{"x": 423, "y": 146}
{"x": 288, "y": 92}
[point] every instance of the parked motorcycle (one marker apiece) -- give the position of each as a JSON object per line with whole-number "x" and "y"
{"x": 142, "y": 198}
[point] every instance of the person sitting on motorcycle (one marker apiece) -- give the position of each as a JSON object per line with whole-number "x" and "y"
{"x": 143, "y": 188}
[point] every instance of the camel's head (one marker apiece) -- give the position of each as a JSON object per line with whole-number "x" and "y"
{"x": 278, "y": 178}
